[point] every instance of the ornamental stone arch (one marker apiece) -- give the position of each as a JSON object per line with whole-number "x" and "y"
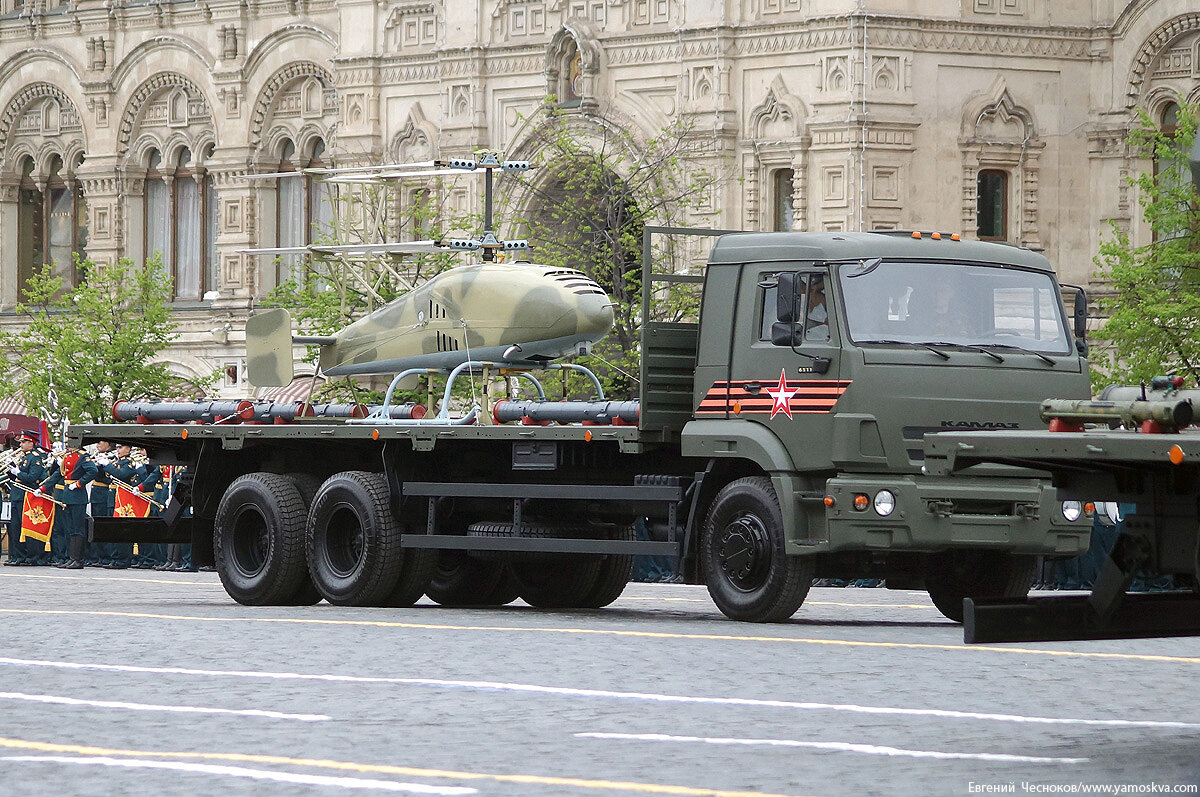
{"x": 167, "y": 101}
{"x": 41, "y": 115}
{"x": 417, "y": 141}
{"x": 298, "y": 96}
{"x": 998, "y": 133}
{"x": 777, "y": 142}
{"x": 1146, "y": 65}
{"x": 576, "y": 38}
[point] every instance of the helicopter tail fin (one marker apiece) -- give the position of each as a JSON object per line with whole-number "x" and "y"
{"x": 269, "y": 348}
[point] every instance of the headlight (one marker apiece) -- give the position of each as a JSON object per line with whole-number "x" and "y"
{"x": 885, "y": 503}
{"x": 1072, "y": 510}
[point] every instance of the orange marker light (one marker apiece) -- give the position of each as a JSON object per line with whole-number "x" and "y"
{"x": 1175, "y": 454}
{"x": 861, "y": 502}
{"x": 737, "y": 408}
{"x": 587, "y": 436}
{"x": 937, "y": 236}
{"x": 1089, "y": 509}
{"x": 955, "y": 237}
{"x": 829, "y": 501}
{"x": 183, "y": 434}
{"x": 374, "y": 434}
{"x": 916, "y": 234}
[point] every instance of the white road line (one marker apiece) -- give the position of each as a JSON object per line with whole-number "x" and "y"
{"x": 74, "y": 701}
{"x": 843, "y": 747}
{"x": 492, "y": 686}
{"x": 246, "y": 772}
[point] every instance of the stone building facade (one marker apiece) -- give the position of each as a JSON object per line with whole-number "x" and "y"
{"x": 129, "y": 127}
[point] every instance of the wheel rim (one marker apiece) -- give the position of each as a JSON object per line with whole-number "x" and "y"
{"x": 251, "y": 542}
{"x": 744, "y": 552}
{"x": 345, "y": 541}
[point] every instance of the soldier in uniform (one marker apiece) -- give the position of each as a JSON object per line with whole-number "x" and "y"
{"x": 27, "y": 472}
{"x": 103, "y": 502}
{"x": 120, "y": 469}
{"x": 154, "y": 554}
{"x": 68, "y": 483}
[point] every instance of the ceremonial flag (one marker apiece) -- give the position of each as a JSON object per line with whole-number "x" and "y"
{"x": 37, "y": 518}
{"x": 131, "y": 504}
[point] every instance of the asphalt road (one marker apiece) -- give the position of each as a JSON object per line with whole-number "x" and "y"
{"x": 140, "y": 683}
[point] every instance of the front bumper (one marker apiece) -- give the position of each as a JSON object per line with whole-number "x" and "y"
{"x": 933, "y": 514}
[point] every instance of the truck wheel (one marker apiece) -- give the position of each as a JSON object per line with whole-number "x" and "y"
{"x": 748, "y": 574}
{"x": 613, "y": 576}
{"x": 507, "y": 590}
{"x": 354, "y": 553}
{"x": 307, "y": 484}
{"x": 460, "y": 580}
{"x": 416, "y": 571}
{"x": 258, "y": 540}
{"x": 956, "y": 575}
{"x": 563, "y": 582}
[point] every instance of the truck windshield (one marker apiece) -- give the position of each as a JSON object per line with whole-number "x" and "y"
{"x": 953, "y": 303}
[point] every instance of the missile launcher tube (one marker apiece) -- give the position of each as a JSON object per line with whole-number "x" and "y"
{"x": 599, "y": 412}
{"x": 182, "y": 411}
{"x": 1168, "y": 414}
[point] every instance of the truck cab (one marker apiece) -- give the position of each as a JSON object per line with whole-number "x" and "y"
{"x": 825, "y": 359}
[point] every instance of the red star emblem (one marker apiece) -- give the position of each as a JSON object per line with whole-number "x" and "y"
{"x": 782, "y": 396}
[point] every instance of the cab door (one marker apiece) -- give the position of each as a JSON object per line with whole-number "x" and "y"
{"x": 789, "y": 387}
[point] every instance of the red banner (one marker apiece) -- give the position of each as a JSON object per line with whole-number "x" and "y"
{"x": 37, "y": 518}
{"x": 129, "y": 504}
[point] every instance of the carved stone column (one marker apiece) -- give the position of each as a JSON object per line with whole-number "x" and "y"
{"x": 237, "y": 228}
{"x": 102, "y": 192}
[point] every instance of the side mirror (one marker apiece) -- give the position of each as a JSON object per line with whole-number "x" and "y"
{"x": 786, "y": 333}
{"x": 1081, "y": 311}
{"x": 787, "y": 300}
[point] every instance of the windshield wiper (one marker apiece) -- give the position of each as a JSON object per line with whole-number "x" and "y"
{"x": 1021, "y": 349}
{"x": 932, "y": 344}
{"x": 928, "y": 346}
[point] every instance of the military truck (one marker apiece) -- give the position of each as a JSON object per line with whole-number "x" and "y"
{"x": 1136, "y": 447}
{"x": 778, "y": 438}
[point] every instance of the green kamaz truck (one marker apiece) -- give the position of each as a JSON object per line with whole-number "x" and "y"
{"x": 777, "y": 438}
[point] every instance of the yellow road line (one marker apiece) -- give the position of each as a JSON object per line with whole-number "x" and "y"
{"x": 349, "y": 766}
{"x": 622, "y": 633}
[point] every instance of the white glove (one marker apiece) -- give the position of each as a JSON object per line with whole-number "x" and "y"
{"x": 74, "y": 486}
{"x": 101, "y": 459}
{"x": 14, "y": 470}
{"x": 38, "y": 492}
{"x": 138, "y": 489}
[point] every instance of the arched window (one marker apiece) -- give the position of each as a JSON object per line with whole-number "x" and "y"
{"x": 157, "y": 211}
{"x": 181, "y": 226}
{"x": 51, "y": 222}
{"x": 992, "y": 209}
{"x": 782, "y": 189}
{"x": 1169, "y": 125}
{"x": 303, "y": 213}
{"x": 30, "y": 229}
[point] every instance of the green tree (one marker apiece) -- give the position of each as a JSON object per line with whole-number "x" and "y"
{"x": 1153, "y": 324}
{"x": 591, "y": 193}
{"x": 85, "y": 348}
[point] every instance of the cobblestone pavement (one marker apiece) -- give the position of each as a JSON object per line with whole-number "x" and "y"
{"x": 139, "y": 683}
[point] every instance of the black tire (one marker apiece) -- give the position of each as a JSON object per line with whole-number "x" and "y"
{"x": 956, "y": 575}
{"x": 507, "y": 589}
{"x": 749, "y": 575}
{"x": 613, "y": 576}
{"x": 354, "y": 553}
{"x": 461, "y": 580}
{"x": 258, "y": 540}
{"x": 562, "y": 582}
{"x": 307, "y": 484}
{"x": 416, "y": 571}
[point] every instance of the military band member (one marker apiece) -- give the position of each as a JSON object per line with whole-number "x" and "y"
{"x": 154, "y": 485}
{"x": 103, "y": 501}
{"x": 68, "y": 483}
{"x": 121, "y": 469}
{"x": 26, "y": 472}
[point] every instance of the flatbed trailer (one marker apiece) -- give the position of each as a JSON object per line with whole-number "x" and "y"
{"x": 778, "y": 439}
{"x": 1159, "y": 473}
